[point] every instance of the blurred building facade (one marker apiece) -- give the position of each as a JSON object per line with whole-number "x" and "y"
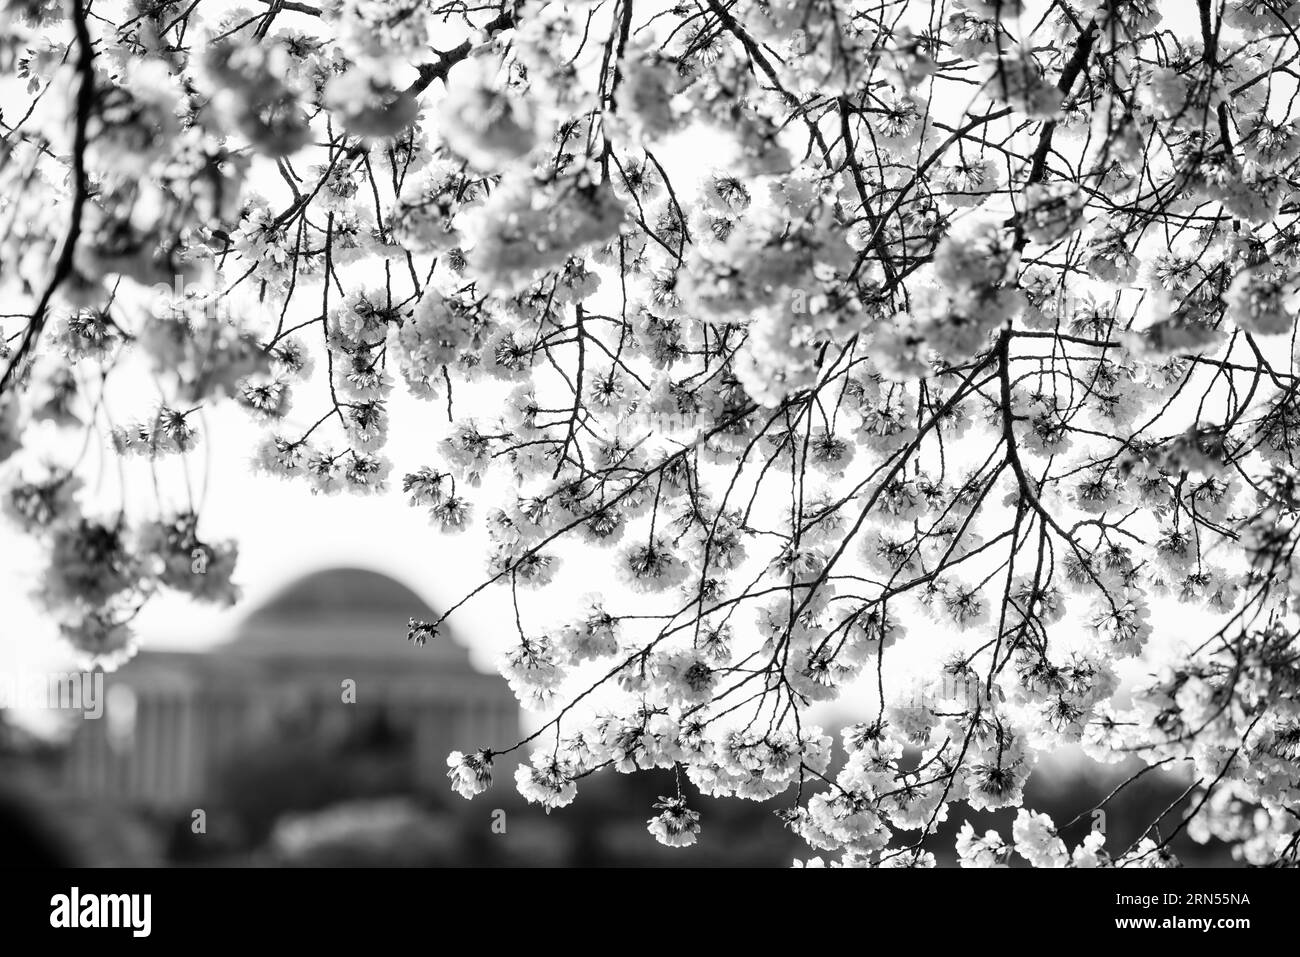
{"x": 324, "y": 660}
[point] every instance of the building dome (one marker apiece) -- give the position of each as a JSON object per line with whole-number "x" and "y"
{"x": 344, "y": 613}
{"x": 325, "y": 660}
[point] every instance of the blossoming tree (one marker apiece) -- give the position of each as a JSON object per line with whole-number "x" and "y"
{"x": 851, "y": 333}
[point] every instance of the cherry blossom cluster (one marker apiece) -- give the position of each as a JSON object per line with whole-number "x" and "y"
{"x": 930, "y": 363}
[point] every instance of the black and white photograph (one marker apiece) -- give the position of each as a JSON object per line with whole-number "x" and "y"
{"x": 694, "y": 434}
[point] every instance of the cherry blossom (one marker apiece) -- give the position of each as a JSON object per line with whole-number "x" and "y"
{"x": 931, "y": 361}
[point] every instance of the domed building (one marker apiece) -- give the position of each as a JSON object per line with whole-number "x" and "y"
{"x": 324, "y": 660}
